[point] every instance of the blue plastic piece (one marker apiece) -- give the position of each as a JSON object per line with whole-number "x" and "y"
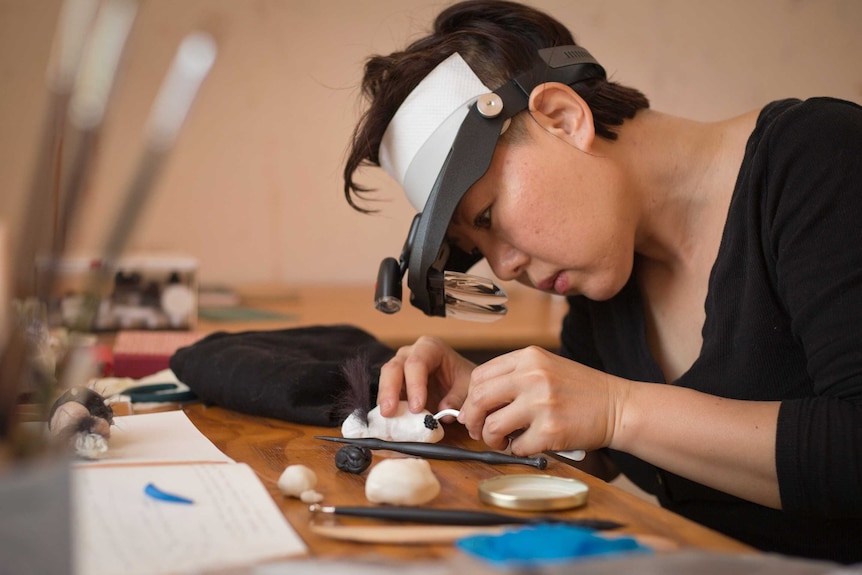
{"x": 546, "y": 544}
{"x": 157, "y": 493}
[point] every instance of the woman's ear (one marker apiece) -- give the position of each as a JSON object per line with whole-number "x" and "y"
{"x": 561, "y": 111}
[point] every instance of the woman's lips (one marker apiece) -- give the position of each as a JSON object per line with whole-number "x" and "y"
{"x": 561, "y": 283}
{"x": 546, "y": 284}
{"x": 558, "y": 283}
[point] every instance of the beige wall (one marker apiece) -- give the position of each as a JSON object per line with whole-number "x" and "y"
{"x": 253, "y": 188}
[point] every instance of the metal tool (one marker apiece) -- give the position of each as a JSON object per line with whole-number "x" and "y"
{"x": 457, "y": 516}
{"x": 436, "y": 451}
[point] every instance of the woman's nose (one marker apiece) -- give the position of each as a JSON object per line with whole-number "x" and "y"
{"x": 507, "y": 262}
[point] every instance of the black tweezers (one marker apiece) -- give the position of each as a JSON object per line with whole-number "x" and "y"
{"x": 435, "y": 451}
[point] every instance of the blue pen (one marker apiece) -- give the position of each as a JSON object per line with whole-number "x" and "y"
{"x": 157, "y": 493}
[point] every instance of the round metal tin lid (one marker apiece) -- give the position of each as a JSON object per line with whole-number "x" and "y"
{"x": 533, "y": 492}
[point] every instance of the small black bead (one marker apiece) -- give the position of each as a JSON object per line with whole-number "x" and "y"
{"x": 430, "y": 422}
{"x": 353, "y": 458}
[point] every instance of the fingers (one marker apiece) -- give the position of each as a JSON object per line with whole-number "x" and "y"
{"x": 452, "y": 400}
{"x": 424, "y": 358}
{"x": 389, "y": 386}
{"x": 514, "y": 395}
{"x": 530, "y": 441}
{"x": 494, "y": 368}
{"x": 490, "y": 389}
{"x": 504, "y": 424}
{"x": 409, "y": 371}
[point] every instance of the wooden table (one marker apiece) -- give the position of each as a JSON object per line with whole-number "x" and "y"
{"x": 534, "y": 318}
{"x": 269, "y": 446}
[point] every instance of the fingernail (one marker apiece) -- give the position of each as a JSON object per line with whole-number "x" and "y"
{"x": 385, "y": 405}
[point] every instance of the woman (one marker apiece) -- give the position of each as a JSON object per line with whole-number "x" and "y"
{"x": 713, "y": 347}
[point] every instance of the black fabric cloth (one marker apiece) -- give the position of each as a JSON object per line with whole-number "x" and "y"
{"x": 783, "y": 322}
{"x": 292, "y": 374}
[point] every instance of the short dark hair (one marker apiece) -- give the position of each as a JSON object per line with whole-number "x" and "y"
{"x": 499, "y": 40}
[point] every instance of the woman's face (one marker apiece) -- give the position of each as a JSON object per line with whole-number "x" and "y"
{"x": 550, "y": 216}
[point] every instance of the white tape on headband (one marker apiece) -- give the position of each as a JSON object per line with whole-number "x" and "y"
{"x": 418, "y": 139}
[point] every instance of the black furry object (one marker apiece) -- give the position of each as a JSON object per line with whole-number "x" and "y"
{"x": 353, "y": 458}
{"x": 81, "y": 420}
{"x": 361, "y": 381}
{"x": 295, "y": 375}
{"x": 93, "y": 402}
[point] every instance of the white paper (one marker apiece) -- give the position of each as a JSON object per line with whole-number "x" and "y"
{"x": 232, "y": 521}
{"x": 165, "y": 437}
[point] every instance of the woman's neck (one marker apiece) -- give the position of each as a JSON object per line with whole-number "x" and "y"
{"x": 683, "y": 174}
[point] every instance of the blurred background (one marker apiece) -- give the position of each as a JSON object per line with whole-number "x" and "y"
{"x": 253, "y": 188}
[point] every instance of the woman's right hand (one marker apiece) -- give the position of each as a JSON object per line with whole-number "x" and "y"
{"x": 429, "y": 365}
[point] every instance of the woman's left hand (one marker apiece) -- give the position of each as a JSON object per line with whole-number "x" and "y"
{"x": 549, "y": 402}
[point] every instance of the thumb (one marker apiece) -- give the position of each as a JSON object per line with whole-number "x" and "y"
{"x": 453, "y": 400}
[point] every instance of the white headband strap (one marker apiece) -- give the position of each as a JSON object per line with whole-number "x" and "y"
{"x": 420, "y": 135}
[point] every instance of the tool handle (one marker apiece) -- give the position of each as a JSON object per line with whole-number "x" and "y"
{"x": 436, "y": 451}
{"x": 431, "y": 516}
{"x": 575, "y": 454}
{"x": 457, "y": 516}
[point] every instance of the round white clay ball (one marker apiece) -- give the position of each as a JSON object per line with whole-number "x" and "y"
{"x": 296, "y": 479}
{"x": 401, "y": 482}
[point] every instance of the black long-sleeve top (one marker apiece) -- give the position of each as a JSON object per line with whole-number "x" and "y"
{"x": 783, "y": 322}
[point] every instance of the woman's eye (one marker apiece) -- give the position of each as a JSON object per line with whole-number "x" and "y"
{"x": 483, "y": 220}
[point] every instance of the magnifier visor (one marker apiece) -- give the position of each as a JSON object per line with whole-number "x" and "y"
{"x": 447, "y": 129}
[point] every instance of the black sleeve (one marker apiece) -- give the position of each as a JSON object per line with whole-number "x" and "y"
{"x": 813, "y": 213}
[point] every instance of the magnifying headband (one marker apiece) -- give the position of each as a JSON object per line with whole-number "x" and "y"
{"x": 439, "y": 143}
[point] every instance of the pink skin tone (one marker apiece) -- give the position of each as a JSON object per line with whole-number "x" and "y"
{"x": 529, "y": 238}
{"x": 565, "y": 212}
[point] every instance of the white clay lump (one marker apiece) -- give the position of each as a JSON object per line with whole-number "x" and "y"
{"x": 297, "y": 479}
{"x": 311, "y": 496}
{"x": 407, "y": 481}
{"x": 403, "y": 426}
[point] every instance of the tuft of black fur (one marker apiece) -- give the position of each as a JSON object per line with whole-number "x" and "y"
{"x": 86, "y": 425}
{"x": 357, "y": 399}
{"x": 90, "y": 399}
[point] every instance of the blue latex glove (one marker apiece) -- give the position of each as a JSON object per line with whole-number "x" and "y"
{"x": 544, "y": 544}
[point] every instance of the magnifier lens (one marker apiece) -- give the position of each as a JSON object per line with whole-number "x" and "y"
{"x": 473, "y": 298}
{"x": 473, "y": 288}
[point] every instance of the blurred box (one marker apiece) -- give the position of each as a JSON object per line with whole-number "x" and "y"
{"x": 137, "y": 354}
{"x": 146, "y": 291}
